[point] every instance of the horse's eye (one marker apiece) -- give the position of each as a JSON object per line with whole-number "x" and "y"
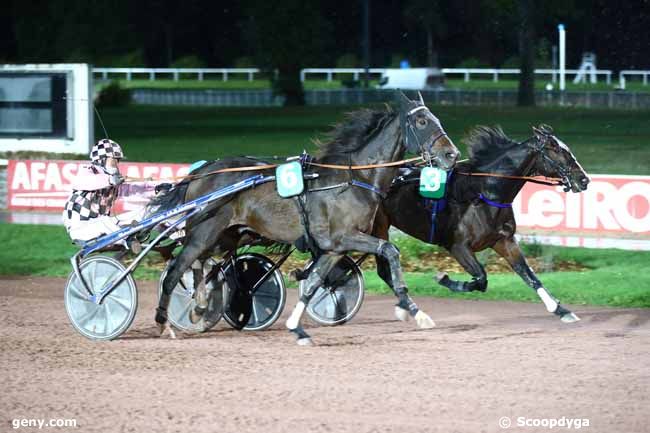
{"x": 421, "y": 122}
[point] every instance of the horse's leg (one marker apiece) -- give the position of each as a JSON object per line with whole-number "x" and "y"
{"x": 200, "y": 239}
{"x": 365, "y": 243}
{"x": 315, "y": 280}
{"x": 465, "y": 256}
{"x": 383, "y": 271}
{"x": 509, "y": 249}
{"x": 380, "y": 230}
{"x": 200, "y": 291}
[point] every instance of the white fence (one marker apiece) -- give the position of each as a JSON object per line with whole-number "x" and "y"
{"x": 467, "y": 72}
{"x": 622, "y": 74}
{"x": 355, "y": 73}
{"x": 176, "y": 72}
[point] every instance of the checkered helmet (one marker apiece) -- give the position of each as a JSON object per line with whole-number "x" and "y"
{"x": 105, "y": 148}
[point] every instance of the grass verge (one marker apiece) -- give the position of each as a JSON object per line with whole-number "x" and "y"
{"x": 614, "y": 277}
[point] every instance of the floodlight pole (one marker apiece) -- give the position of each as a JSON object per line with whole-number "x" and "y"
{"x": 562, "y": 32}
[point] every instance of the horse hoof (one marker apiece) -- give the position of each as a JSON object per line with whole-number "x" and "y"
{"x": 195, "y": 317}
{"x": 424, "y": 321}
{"x": 166, "y": 330}
{"x": 402, "y": 314}
{"x": 305, "y": 342}
{"x": 569, "y": 318}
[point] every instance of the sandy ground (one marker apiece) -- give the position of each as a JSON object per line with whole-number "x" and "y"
{"x": 484, "y": 361}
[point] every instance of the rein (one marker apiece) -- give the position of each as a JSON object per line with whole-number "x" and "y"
{"x": 552, "y": 181}
{"x": 367, "y": 166}
{"x": 270, "y": 166}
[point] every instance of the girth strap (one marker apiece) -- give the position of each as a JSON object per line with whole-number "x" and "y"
{"x": 494, "y": 203}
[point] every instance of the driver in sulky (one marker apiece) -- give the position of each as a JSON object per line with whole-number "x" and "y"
{"x": 87, "y": 213}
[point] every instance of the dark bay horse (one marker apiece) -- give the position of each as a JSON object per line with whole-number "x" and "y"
{"x": 478, "y": 214}
{"x": 335, "y": 214}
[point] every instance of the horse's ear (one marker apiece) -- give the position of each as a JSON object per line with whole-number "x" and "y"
{"x": 546, "y": 129}
{"x": 538, "y": 132}
{"x": 402, "y": 99}
{"x": 420, "y": 98}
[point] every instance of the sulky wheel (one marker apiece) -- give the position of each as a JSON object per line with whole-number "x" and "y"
{"x": 268, "y": 299}
{"x": 182, "y": 300}
{"x": 340, "y": 297}
{"x": 115, "y": 313}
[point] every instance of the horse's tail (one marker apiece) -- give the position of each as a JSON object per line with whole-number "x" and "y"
{"x": 170, "y": 199}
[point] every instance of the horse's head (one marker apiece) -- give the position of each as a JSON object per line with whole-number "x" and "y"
{"x": 423, "y": 133}
{"x": 556, "y": 160}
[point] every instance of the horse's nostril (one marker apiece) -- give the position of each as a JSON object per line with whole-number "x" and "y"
{"x": 584, "y": 180}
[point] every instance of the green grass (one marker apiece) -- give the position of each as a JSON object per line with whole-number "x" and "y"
{"x": 604, "y": 141}
{"x": 476, "y": 83}
{"x": 614, "y": 278}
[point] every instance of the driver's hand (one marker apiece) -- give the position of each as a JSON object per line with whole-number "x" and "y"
{"x": 116, "y": 179}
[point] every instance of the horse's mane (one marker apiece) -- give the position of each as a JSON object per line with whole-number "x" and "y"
{"x": 486, "y": 143}
{"x": 354, "y": 132}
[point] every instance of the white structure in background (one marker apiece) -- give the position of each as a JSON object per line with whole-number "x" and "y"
{"x": 562, "y": 62}
{"x": 587, "y": 68}
{"x": 412, "y": 79}
{"x": 46, "y": 108}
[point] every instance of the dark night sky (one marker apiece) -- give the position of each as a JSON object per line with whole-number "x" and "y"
{"x": 221, "y": 33}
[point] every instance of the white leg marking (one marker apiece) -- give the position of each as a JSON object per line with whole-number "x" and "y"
{"x": 294, "y": 320}
{"x": 551, "y": 304}
{"x": 304, "y": 342}
{"x": 423, "y": 320}
{"x": 570, "y": 318}
{"x": 402, "y": 314}
{"x": 166, "y": 330}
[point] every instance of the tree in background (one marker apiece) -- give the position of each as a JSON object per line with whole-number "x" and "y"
{"x": 427, "y": 15}
{"x": 288, "y": 35}
{"x": 526, "y": 95}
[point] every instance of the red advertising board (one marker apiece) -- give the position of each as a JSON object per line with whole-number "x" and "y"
{"x": 611, "y": 205}
{"x": 45, "y": 185}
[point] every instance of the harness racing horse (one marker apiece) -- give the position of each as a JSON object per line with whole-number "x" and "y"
{"x": 334, "y": 215}
{"x": 478, "y": 214}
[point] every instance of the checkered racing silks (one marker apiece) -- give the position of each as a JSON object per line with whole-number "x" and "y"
{"x": 105, "y": 149}
{"x": 86, "y": 205}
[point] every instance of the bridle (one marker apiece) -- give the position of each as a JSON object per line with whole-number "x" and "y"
{"x": 563, "y": 172}
{"x": 410, "y": 131}
{"x": 539, "y": 147}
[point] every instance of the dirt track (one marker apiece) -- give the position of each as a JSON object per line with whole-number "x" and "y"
{"x": 485, "y": 360}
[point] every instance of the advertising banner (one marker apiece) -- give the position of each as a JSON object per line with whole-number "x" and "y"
{"x": 612, "y": 205}
{"x": 45, "y": 185}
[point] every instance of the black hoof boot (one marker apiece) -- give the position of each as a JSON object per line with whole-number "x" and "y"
{"x": 565, "y": 315}
{"x": 302, "y": 338}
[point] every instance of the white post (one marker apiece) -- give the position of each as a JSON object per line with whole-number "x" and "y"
{"x": 562, "y": 32}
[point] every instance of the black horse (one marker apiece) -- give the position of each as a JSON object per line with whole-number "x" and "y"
{"x": 336, "y": 213}
{"x": 478, "y": 212}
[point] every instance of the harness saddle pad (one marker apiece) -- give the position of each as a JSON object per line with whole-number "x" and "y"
{"x": 433, "y": 182}
{"x": 288, "y": 179}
